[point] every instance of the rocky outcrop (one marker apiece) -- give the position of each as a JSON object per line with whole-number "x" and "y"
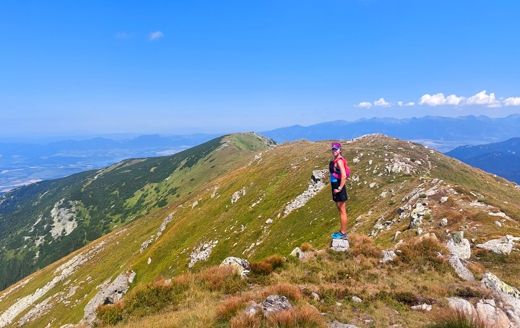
{"x": 240, "y": 265}
{"x": 337, "y": 324}
{"x": 502, "y": 245}
{"x": 417, "y": 215}
{"x": 275, "y": 303}
{"x": 485, "y": 311}
{"x": 460, "y": 269}
{"x": 156, "y": 236}
{"x": 109, "y": 293}
{"x": 63, "y": 219}
{"x": 459, "y": 246}
{"x": 388, "y": 256}
{"x": 508, "y": 296}
{"x": 60, "y": 274}
{"x": 202, "y": 252}
{"x": 316, "y": 184}
{"x": 237, "y": 195}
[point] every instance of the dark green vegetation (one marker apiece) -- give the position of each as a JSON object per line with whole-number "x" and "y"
{"x": 97, "y": 201}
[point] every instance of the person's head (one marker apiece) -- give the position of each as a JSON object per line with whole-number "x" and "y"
{"x": 335, "y": 147}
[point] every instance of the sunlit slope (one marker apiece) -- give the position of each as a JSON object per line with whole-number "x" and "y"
{"x": 250, "y": 211}
{"x": 43, "y": 222}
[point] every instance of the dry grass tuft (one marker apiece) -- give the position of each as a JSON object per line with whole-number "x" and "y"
{"x": 456, "y": 319}
{"x": 219, "y": 278}
{"x": 364, "y": 245}
{"x": 306, "y": 247}
{"x": 424, "y": 254}
{"x": 111, "y": 313}
{"x": 244, "y": 320}
{"x": 304, "y": 316}
{"x": 230, "y": 306}
{"x": 290, "y": 291}
{"x": 267, "y": 265}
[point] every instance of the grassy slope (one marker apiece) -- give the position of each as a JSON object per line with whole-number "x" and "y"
{"x": 277, "y": 177}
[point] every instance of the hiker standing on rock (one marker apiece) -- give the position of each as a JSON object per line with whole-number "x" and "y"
{"x": 339, "y": 171}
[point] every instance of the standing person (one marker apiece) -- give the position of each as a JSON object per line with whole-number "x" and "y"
{"x": 339, "y": 171}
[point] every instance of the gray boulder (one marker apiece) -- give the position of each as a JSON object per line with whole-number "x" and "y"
{"x": 340, "y": 245}
{"x": 388, "y": 256}
{"x": 460, "y": 269}
{"x": 337, "y": 324}
{"x": 275, "y": 303}
{"x": 240, "y": 265}
{"x": 502, "y": 245}
{"x": 459, "y": 246}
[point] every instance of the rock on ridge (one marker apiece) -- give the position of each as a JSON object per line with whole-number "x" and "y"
{"x": 240, "y": 265}
{"x": 502, "y": 245}
{"x": 315, "y": 186}
{"x": 109, "y": 293}
{"x": 202, "y": 252}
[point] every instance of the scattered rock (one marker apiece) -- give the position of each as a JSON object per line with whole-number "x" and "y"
{"x": 462, "y": 306}
{"x": 339, "y": 245}
{"x": 443, "y": 222}
{"x": 109, "y": 293}
{"x": 202, "y": 252}
{"x": 269, "y": 221}
{"x": 356, "y": 299}
{"x": 460, "y": 269}
{"x": 508, "y": 296}
{"x": 315, "y": 296}
{"x": 298, "y": 253}
{"x": 149, "y": 260}
{"x": 195, "y": 203}
{"x": 499, "y": 214}
{"x": 315, "y": 186}
{"x": 275, "y": 303}
{"x": 372, "y": 185}
{"x": 388, "y": 256}
{"x": 498, "y": 224}
{"x": 417, "y": 215}
{"x": 422, "y": 307}
{"x": 502, "y": 245}
{"x": 237, "y": 194}
{"x": 240, "y": 265}
{"x": 444, "y": 199}
{"x": 337, "y": 324}
{"x": 459, "y": 246}
{"x": 252, "y": 309}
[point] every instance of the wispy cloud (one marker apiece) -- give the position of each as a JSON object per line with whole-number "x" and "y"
{"x": 482, "y": 98}
{"x": 154, "y": 36}
{"x": 122, "y": 36}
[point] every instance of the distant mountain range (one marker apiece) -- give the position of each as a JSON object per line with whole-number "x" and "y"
{"x": 501, "y": 158}
{"x": 442, "y": 133}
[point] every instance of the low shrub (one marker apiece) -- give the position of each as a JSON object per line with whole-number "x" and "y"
{"x": 290, "y": 291}
{"x": 110, "y": 314}
{"x": 364, "y": 245}
{"x": 424, "y": 253}
{"x": 244, "y": 320}
{"x": 267, "y": 265}
{"x": 219, "y": 278}
{"x": 456, "y": 319}
{"x": 302, "y": 316}
{"x": 230, "y": 306}
{"x": 306, "y": 247}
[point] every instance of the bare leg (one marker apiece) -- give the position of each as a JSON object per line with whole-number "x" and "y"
{"x": 343, "y": 216}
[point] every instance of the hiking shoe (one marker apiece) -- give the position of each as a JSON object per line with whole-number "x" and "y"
{"x": 339, "y": 235}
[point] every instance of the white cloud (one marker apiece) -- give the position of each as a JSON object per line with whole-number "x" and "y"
{"x": 512, "y": 101}
{"x": 381, "y": 102}
{"x": 454, "y": 100}
{"x": 410, "y": 103}
{"x": 364, "y": 104}
{"x": 154, "y": 36}
{"x": 433, "y": 100}
{"x": 483, "y": 98}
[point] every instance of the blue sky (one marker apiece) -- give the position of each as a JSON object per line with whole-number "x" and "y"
{"x": 93, "y": 67}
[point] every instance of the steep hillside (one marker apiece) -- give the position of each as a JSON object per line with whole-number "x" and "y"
{"x": 501, "y": 158}
{"x": 43, "y": 222}
{"x": 401, "y": 195}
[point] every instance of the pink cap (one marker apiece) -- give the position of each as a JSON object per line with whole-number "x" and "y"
{"x": 336, "y": 145}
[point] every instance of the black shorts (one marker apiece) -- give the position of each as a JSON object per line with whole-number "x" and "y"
{"x": 341, "y": 196}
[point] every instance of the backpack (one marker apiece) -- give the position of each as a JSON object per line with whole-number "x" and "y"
{"x": 347, "y": 168}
